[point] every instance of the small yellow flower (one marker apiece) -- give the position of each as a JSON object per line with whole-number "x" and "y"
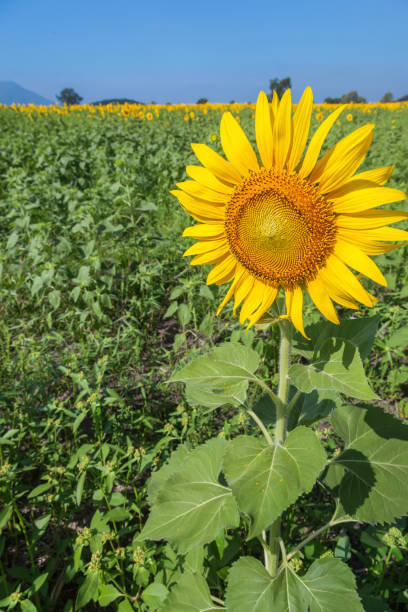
{"x": 213, "y": 137}
{"x": 349, "y": 117}
{"x": 141, "y": 115}
{"x": 149, "y": 116}
{"x": 192, "y": 115}
{"x": 319, "y": 116}
{"x": 185, "y": 117}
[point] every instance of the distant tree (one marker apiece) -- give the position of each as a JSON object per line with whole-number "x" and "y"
{"x": 387, "y": 97}
{"x": 202, "y": 101}
{"x": 280, "y": 86}
{"x": 69, "y": 96}
{"x": 403, "y": 99}
{"x": 332, "y": 100}
{"x": 115, "y": 101}
{"x": 352, "y": 96}
{"x": 231, "y": 102}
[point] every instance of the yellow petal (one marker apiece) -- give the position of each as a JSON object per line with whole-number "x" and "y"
{"x": 368, "y": 245}
{"x": 206, "y": 177}
{"x": 243, "y": 288}
{"x": 342, "y": 160}
{"x": 282, "y": 131}
{"x": 252, "y": 301}
{"x": 223, "y": 272}
{"x": 363, "y": 199}
{"x": 263, "y": 130}
{"x": 321, "y": 299}
{"x": 236, "y": 145}
{"x": 211, "y": 212}
{"x": 378, "y": 175}
{"x": 216, "y": 164}
{"x": 316, "y": 143}
{"x": 294, "y": 299}
{"x": 355, "y": 258}
{"x": 383, "y": 233}
{"x": 300, "y": 127}
{"x": 238, "y": 275}
{"x": 370, "y": 220}
{"x": 274, "y": 107}
{"x": 336, "y": 293}
{"x": 210, "y": 258}
{"x": 203, "y": 193}
{"x": 204, "y": 246}
{"x": 345, "y": 279}
{"x": 204, "y": 231}
{"x": 268, "y": 299}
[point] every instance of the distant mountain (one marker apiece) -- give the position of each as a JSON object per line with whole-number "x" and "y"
{"x": 12, "y": 92}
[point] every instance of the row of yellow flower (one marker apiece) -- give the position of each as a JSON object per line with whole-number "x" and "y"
{"x": 189, "y": 111}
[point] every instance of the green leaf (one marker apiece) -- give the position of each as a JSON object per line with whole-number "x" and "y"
{"x": 312, "y": 407}
{"x": 88, "y": 590}
{"x": 27, "y": 606}
{"x": 371, "y": 474}
{"x": 192, "y": 506}
{"x": 337, "y": 367}
{"x": 54, "y": 297}
{"x": 125, "y": 606}
{"x": 184, "y": 314}
{"x": 5, "y": 515}
{"x": 191, "y": 594}
{"x": 154, "y": 595}
{"x": 360, "y": 331}
{"x": 399, "y": 339}
{"x": 219, "y": 377}
{"x": 117, "y": 514}
{"x": 328, "y": 585}
{"x": 40, "y": 489}
{"x": 159, "y": 478}
{"x": 80, "y": 488}
{"x": 266, "y": 479}
{"x": 108, "y": 594}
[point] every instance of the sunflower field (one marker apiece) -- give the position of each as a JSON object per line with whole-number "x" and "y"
{"x": 99, "y": 309}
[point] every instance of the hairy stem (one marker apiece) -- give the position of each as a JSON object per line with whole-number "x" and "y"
{"x": 280, "y": 430}
{"x": 261, "y": 426}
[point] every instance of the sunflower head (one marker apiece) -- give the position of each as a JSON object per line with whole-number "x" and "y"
{"x": 289, "y": 219}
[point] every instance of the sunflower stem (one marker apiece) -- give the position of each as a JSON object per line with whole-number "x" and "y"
{"x": 280, "y": 430}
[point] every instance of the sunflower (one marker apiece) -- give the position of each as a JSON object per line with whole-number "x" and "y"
{"x": 285, "y": 221}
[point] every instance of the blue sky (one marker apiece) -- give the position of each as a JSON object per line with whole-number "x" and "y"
{"x": 180, "y": 51}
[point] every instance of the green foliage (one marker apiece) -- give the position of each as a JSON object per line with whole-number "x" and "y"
{"x": 266, "y": 479}
{"x": 97, "y": 309}
{"x": 372, "y": 470}
{"x": 328, "y": 585}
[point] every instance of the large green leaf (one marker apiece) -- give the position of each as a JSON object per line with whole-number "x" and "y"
{"x": 219, "y": 377}
{"x": 192, "y": 506}
{"x": 191, "y": 594}
{"x": 360, "y": 332}
{"x": 159, "y": 478}
{"x": 337, "y": 367}
{"x": 328, "y": 586}
{"x": 371, "y": 474}
{"x": 266, "y": 479}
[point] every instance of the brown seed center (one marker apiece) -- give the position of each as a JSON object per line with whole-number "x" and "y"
{"x": 280, "y": 228}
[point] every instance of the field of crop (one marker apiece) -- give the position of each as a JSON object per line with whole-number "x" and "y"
{"x": 97, "y": 310}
